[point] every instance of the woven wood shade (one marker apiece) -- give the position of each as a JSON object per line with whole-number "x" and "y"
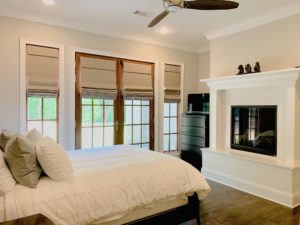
{"x": 137, "y": 81}
{"x": 172, "y": 83}
{"x": 42, "y": 70}
{"x": 98, "y": 78}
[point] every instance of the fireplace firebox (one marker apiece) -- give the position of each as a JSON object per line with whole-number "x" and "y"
{"x": 254, "y": 129}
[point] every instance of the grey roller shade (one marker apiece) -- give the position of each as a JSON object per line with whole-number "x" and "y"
{"x": 137, "y": 81}
{"x": 172, "y": 83}
{"x": 42, "y": 70}
{"x": 98, "y": 77}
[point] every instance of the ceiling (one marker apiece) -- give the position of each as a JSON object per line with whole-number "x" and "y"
{"x": 115, "y": 18}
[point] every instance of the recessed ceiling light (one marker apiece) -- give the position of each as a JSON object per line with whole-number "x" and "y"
{"x": 49, "y": 2}
{"x": 164, "y": 30}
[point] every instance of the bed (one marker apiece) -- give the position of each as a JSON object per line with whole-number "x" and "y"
{"x": 112, "y": 185}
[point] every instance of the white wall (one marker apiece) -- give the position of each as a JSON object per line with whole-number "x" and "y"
{"x": 204, "y": 70}
{"x": 11, "y": 32}
{"x": 275, "y": 46}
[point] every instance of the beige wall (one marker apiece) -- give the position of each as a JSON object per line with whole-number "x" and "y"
{"x": 204, "y": 70}
{"x": 13, "y": 29}
{"x": 275, "y": 46}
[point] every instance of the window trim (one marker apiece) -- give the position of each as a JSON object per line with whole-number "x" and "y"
{"x": 23, "y": 92}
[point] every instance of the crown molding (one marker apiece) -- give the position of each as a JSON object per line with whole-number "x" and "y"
{"x": 289, "y": 10}
{"x": 40, "y": 18}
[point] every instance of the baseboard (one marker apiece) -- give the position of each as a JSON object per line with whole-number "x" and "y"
{"x": 278, "y": 196}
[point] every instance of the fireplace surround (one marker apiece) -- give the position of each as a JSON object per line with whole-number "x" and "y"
{"x": 272, "y": 176}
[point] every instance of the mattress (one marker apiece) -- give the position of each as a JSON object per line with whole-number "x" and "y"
{"x": 108, "y": 184}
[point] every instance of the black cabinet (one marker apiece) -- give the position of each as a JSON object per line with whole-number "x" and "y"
{"x": 194, "y": 136}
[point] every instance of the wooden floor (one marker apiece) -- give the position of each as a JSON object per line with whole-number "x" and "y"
{"x": 229, "y": 206}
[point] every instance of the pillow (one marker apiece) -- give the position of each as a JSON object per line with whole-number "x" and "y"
{"x": 22, "y": 162}
{"x": 7, "y": 182}
{"x": 54, "y": 160}
{"x": 34, "y": 135}
{"x": 5, "y": 136}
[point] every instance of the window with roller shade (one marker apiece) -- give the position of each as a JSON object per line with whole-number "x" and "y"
{"x": 172, "y": 98}
{"x": 114, "y": 102}
{"x": 42, "y": 89}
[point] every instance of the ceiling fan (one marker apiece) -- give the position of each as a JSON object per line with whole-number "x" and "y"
{"x": 176, "y": 5}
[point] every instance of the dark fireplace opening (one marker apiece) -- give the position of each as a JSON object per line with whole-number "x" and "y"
{"x": 254, "y": 129}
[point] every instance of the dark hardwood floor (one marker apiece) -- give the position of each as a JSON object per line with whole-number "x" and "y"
{"x": 228, "y": 206}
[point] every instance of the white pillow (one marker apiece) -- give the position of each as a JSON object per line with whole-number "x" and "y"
{"x": 7, "y": 182}
{"x": 54, "y": 160}
{"x": 34, "y": 135}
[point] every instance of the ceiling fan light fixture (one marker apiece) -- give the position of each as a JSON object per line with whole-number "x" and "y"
{"x": 176, "y": 5}
{"x": 172, "y": 6}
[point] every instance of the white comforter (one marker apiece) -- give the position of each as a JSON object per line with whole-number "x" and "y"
{"x": 108, "y": 183}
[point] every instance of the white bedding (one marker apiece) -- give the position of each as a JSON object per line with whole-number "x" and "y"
{"x": 108, "y": 183}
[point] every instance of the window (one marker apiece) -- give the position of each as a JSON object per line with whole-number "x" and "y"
{"x": 137, "y": 123}
{"x": 97, "y": 122}
{"x": 171, "y": 119}
{"x": 114, "y": 102}
{"x": 42, "y": 75}
{"x": 42, "y": 115}
{"x": 172, "y": 80}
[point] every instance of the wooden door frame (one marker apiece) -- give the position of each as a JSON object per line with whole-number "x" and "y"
{"x": 118, "y": 102}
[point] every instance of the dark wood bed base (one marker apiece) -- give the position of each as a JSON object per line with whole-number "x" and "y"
{"x": 174, "y": 216}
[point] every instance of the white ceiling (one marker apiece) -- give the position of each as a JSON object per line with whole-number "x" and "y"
{"x": 116, "y": 18}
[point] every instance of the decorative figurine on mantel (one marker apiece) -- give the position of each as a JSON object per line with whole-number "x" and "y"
{"x": 248, "y": 68}
{"x": 257, "y": 68}
{"x": 241, "y": 70}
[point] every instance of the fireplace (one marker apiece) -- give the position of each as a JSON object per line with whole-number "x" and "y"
{"x": 253, "y": 129}
{"x": 275, "y": 177}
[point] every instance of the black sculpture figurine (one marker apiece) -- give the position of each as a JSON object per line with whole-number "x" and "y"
{"x": 241, "y": 70}
{"x": 257, "y": 68}
{"x": 248, "y": 68}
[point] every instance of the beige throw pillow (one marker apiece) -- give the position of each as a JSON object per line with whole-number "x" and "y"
{"x": 34, "y": 135}
{"x": 5, "y": 136}
{"x": 7, "y": 182}
{"x": 22, "y": 162}
{"x": 54, "y": 160}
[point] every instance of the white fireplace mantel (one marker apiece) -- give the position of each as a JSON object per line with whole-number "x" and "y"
{"x": 275, "y": 178}
{"x": 263, "y": 79}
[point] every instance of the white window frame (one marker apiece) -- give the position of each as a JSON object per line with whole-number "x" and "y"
{"x": 22, "y": 122}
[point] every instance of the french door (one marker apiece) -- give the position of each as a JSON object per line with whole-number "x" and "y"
{"x": 113, "y": 114}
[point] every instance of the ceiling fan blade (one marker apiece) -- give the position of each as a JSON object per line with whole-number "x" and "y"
{"x": 157, "y": 19}
{"x": 210, "y": 4}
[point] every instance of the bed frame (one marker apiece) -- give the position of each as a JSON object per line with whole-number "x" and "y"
{"x": 174, "y": 216}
